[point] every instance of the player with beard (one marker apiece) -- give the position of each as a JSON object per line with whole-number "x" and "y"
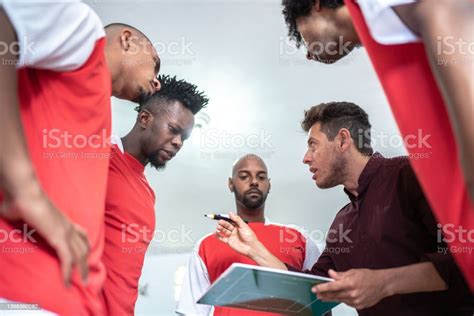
{"x": 250, "y": 184}
{"x": 163, "y": 123}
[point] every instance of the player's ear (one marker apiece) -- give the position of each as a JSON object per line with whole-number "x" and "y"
{"x": 145, "y": 118}
{"x": 231, "y": 185}
{"x": 125, "y": 39}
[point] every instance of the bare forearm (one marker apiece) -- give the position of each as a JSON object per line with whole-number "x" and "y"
{"x": 16, "y": 170}
{"x": 420, "y": 277}
{"x": 454, "y": 71}
{"x": 265, "y": 258}
{"x": 446, "y": 28}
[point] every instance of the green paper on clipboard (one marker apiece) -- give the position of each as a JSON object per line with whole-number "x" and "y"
{"x": 267, "y": 290}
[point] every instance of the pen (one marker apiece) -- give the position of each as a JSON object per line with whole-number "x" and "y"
{"x": 224, "y": 217}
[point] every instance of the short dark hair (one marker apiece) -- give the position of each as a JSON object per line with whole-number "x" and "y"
{"x": 336, "y": 115}
{"x": 177, "y": 90}
{"x": 293, "y": 9}
{"x": 114, "y": 25}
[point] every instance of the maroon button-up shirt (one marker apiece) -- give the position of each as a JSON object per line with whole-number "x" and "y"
{"x": 390, "y": 224}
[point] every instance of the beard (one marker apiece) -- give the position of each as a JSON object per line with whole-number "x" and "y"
{"x": 155, "y": 162}
{"x": 336, "y": 175}
{"x": 251, "y": 203}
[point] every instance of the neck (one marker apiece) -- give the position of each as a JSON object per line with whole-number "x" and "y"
{"x": 131, "y": 144}
{"x": 353, "y": 172}
{"x": 251, "y": 215}
{"x": 115, "y": 68}
{"x": 345, "y": 23}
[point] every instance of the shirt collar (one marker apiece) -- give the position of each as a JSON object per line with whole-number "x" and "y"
{"x": 134, "y": 163}
{"x": 367, "y": 175}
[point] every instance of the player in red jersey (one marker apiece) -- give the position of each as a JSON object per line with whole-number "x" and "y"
{"x": 55, "y": 88}
{"x": 250, "y": 184}
{"x": 429, "y": 87}
{"x": 164, "y": 122}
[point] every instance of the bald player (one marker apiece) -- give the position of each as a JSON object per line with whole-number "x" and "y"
{"x": 250, "y": 185}
{"x": 133, "y": 62}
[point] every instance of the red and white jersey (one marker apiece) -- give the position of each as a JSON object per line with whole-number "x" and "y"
{"x": 211, "y": 258}
{"x": 64, "y": 89}
{"x": 419, "y": 109}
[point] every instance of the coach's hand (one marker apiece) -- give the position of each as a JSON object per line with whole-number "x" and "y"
{"x": 239, "y": 237}
{"x": 359, "y": 288}
{"x": 68, "y": 240}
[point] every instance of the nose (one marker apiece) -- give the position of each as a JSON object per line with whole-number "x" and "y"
{"x": 157, "y": 84}
{"x": 253, "y": 182}
{"x": 177, "y": 142}
{"x": 307, "y": 158}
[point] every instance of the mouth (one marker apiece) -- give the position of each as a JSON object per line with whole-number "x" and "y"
{"x": 254, "y": 192}
{"x": 313, "y": 171}
{"x": 167, "y": 154}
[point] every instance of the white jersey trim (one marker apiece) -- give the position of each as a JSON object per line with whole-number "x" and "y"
{"x": 384, "y": 24}
{"x": 53, "y": 35}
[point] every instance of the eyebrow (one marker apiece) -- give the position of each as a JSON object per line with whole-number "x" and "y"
{"x": 180, "y": 129}
{"x": 311, "y": 139}
{"x": 247, "y": 171}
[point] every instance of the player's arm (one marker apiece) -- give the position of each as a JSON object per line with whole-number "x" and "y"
{"x": 446, "y": 28}
{"x": 23, "y": 197}
{"x": 242, "y": 239}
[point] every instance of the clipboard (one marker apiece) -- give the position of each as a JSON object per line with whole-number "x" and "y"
{"x": 267, "y": 290}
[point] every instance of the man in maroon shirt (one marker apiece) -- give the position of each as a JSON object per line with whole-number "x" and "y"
{"x": 386, "y": 250}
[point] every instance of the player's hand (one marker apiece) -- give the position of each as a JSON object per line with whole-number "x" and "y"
{"x": 359, "y": 288}
{"x": 68, "y": 240}
{"x": 239, "y": 237}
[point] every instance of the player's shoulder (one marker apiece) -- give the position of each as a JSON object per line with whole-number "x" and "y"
{"x": 205, "y": 241}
